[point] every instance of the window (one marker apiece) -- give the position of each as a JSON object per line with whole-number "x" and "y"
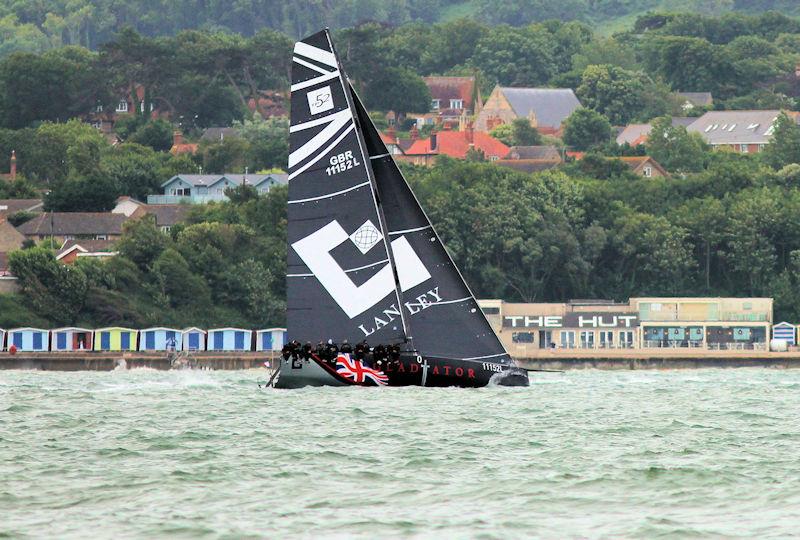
{"x": 491, "y": 310}
{"x": 648, "y": 171}
{"x": 587, "y": 339}
{"x": 98, "y": 108}
{"x": 744, "y": 148}
{"x": 182, "y": 192}
{"x": 165, "y": 229}
{"x": 626, "y": 339}
{"x": 606, "y": 339}
{"x": 545, "y": 339}
{"x": 122, "y": 106}
{"x": 97, "y": 125}
{"x": 493, "y": 158}
{"x": 456, "y": 103}
{"x": 567, "y": 339}
{"x": 435, "y": 104}
{"x": 101, "y": 237}
{"x": 522, "y": 337}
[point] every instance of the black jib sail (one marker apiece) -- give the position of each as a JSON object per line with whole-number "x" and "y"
{"x": 443, "y": 315}
{"x": 348, "y": 202}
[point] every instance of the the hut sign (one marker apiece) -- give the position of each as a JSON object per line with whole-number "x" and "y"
{"x": 572, "y": 320}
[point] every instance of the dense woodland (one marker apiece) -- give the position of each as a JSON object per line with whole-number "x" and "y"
{"x": 721, "y": 224}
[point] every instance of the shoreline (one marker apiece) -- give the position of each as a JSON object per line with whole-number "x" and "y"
{"x": 546, "y": 360}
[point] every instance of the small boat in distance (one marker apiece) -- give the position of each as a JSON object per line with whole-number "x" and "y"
{"x": 364, "y": 261}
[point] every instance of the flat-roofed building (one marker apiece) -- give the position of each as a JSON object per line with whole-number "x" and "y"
{"x": 708, "y": 323}
{"x": 700, "y": 323}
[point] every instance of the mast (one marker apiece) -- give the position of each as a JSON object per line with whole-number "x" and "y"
{"x": 371, "y": 176}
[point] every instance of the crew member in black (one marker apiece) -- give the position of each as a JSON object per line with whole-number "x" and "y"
{"x": 287, "y": 351}
{"x": 394, "y": 353}
{"x": 378, "y": 356}
{"x": 320, "y": 350}
{"x": 307, "y": 351}
{"x": 333, "y": 351}
{"x": 360, "y": 351}
{"x": 346, "y": 348}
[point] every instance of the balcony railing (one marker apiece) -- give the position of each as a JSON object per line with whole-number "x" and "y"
{"x": 184, "y": 199}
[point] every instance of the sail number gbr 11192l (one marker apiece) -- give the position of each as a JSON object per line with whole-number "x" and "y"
{"x": 342, "y": 162}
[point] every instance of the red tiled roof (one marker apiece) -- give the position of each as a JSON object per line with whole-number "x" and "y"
{"x": 184, "y": 148}
{"x": 447, "y": 88}
{"x": 386, "y": 139}
{"x": 455, "y": 144}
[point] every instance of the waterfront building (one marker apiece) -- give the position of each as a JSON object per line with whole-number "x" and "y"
{"x": 70, "y": 339}
{"x": 784, "y": 331}
{"x": 193, "y": 339}
{"x": 230, "y": 339}
{"x": 160, "y": 339}
{"x": 115, "y": 339}
{"x": 707, "y": 323}
{"x": 28, "y": 339}
{"x": 270, "y": 339}
{"x": 701, "y": 323}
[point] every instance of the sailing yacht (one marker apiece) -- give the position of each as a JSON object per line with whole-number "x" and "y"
{"x": 364, "y": 261}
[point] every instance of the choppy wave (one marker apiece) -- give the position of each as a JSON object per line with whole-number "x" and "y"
{"x": 590, "y": 454}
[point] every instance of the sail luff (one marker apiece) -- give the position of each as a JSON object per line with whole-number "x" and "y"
{"x": 347, "y": 89}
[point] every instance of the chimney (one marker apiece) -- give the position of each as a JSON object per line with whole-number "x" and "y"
{"x": 177, "y": 137}
{"x": 470, "y": 133}
{"x": 13, "y": 169}
{"x": 414, "y": 132}
{"x": 433, "y": 141}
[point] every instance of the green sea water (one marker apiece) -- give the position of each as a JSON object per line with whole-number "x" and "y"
{"x": 585, "y": 454}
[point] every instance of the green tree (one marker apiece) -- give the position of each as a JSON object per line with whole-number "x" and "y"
{"x": 612, "y": 91}
{"x": 784, "y": 148}
{"x": 675, "y": 148}
{"x": 524, "y": 133}
{"x": 53, "y": 290}
{"x": 586, "y": 128}
{"x": 178, "y": 285}
{"x": 157, "y": 134}
{"x": 400, "y": 90}
{"x": 142, "y": 242}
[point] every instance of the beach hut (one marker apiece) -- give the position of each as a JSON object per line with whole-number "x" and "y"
{"x": 28, "y": 339}
{"x": 229, "y": 339}
{"x": 160, "y": 339}
{"x": 2, "y": 339}
{"x": 784, "y": 332}
{"x": 270, "y": 339}
{"x": 70, "y": 339}
{"x": 193, "y": 339}
{"x": 115, "y": 339}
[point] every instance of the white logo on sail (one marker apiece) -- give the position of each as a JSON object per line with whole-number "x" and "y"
{"x": 366, "y": 237}
{"x": 315, "y": 251}
{"x": 320, "y": 100}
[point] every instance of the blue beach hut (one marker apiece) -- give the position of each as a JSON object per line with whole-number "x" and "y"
{"x": 784, "y": 332}
{"x": 70, "y": 339}
{"x": 160, "y": 339}
{"x": 28, "y": 339}
{"x": 270, "y": 339}
{"x": 229, "y": 339}
{"x": 193, "y": 339}
{"x": 115, "y": 339}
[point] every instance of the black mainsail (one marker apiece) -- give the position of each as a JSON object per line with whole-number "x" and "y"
{"x": 364, "y": 261}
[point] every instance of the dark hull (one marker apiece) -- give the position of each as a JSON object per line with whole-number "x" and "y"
{"x": 410, "y": 370}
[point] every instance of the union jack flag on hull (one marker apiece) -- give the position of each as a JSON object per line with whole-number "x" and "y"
{"x": 357, "y": 372}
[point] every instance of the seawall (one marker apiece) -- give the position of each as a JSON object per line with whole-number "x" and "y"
{"x": 90, "y": 361}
